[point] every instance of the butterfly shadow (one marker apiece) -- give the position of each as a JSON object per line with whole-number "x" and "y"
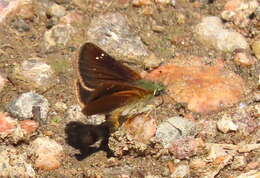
{"x": 88, "y": 139}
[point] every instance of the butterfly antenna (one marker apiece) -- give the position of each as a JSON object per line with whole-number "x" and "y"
{"x": 161, "y": 103}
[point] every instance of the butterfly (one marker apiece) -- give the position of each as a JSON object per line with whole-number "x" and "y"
{"x": 106, "y": 86}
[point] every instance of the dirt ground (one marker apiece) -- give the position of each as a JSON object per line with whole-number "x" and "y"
{"x": 21, "y": 45}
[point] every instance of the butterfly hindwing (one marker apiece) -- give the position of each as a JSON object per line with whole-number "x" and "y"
{"x": 108, "y": 97}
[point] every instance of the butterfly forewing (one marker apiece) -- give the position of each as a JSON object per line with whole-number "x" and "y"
{"x": 95, "y": 67}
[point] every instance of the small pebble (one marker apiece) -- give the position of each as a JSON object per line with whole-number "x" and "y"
{"x": 139, "y": 3}
{"x": 173, "y": 129}
{"x": 157, "y": 28}
{"x": 243, "y": 59}
{"x": 256, "y": 48}
{"x": 60, "y": 106}
{"x": 225, "y": 124}
{"x": 187, "y": 147}
{"x": 56, "y": 10}
{"x": 59, "y": 35}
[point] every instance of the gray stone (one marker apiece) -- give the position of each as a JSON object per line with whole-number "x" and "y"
{"x": 23, "y": 106}
{"x": 112, "y": 33}
{"x": 211, "y": 32}
{"x": 174, "y": 128}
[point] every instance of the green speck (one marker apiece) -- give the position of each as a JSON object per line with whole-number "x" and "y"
{"x": 56, "y": 119}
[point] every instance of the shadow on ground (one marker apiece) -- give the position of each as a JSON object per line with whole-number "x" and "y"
{"x": 87, "y": 138}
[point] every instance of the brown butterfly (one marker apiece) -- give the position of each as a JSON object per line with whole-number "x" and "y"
{"x": 105, "y": 86}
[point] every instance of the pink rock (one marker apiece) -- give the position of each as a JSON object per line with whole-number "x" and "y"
{"x": 7, "y": 124}
{"x": 29, "y": 126}
{"x": 48, "y": 153}
{"x": 184, "y": 148}
{"x": 203, "y": 88}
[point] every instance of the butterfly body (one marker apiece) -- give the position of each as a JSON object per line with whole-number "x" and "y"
{"x": 106, "y": 86}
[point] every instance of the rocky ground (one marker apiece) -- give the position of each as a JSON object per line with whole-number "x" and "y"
{"x": 205, "y": 52}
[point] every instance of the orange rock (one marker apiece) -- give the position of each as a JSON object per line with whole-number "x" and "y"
{"x": 7, "y": 124}
{"x": 204, "y": 88}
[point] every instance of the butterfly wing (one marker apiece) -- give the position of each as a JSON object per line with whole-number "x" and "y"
{"x": 108, "y": 97}
{"x": 95, "y": 67}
